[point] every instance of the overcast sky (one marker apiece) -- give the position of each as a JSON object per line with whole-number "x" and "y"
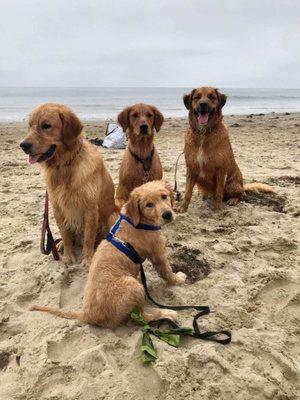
{"x": 230, "y": 43}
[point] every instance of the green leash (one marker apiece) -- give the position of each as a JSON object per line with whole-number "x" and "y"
{"x": 170, "y": 336}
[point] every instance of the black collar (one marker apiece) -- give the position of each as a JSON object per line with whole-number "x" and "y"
{"x": 145, "y": 162}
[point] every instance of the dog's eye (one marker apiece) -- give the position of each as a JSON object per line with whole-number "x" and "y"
{"x": 135, "y": 115}
{"x": 149, "y": 115}
{"x": 46, "y": 126}
{"x": 150, "y": 205}
{"x": 211, "y": 96}
{"x": 164, "y": 196}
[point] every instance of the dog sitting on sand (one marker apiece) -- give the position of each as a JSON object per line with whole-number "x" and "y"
{"x": 141, "y": 161}
{"x": 80, "y": 188}
{"x": 208, "y": 154}
{"x": 112, "y": 289}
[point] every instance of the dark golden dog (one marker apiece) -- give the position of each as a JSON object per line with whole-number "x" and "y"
{"x": 209, "y": 157}
{"x": 80, "y": 188}
{"x": 139, "y": 122}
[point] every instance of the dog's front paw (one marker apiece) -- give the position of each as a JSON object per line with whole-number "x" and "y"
{"x": 182, "y": 209}
{"x": 180, "y": 277}
{"x": 69, "y": 257}
{"x": 87, "y": 259}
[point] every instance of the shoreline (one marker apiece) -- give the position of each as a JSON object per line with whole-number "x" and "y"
{"x": 226, "y": 117}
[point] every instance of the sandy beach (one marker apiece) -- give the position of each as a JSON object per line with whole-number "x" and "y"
{"x": 241, "y": 261}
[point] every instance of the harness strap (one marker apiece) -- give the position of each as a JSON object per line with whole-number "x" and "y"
{"x": 51, "y": 243}
{"x": 124, "y": 217}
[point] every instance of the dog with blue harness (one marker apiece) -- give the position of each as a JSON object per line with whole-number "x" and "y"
{"x": 113, "y": 289}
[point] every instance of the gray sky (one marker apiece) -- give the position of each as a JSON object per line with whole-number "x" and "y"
{"x": 230, "y": 43}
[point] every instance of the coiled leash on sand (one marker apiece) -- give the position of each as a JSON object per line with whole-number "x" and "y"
{"x": 127, "y": 249}
{"x": 51, "y": 243}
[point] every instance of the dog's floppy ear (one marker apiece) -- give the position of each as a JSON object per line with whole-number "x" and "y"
{"x": 132, "y": 207}
{"x": 71, "y": 125}
{"x": 221, "y": 98}
{"x": 123, "y": 118}
{"x": 158, "y": 119}
{"x": 187, "y": 99}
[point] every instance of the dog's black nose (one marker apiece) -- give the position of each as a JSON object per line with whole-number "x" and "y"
{"x": 144, "y": 128}
{"x": 203, "y": 107}
{"x": 167, "y": 215}
{"x": 26, "y": 146}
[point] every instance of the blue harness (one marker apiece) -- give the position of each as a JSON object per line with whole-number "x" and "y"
{"x": 125, "y": 247}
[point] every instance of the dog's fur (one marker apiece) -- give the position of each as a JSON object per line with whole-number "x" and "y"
{"x": 209, "y": 157}
{"x": 80, "y": 188}
{"x": 131, "y": 171}
{"x": 112, "y": 289}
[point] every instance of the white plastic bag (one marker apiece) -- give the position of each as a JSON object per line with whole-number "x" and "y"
{"x": 115, "y": 139}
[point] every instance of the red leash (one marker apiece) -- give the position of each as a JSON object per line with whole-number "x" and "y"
{"x": 51, "y": 243}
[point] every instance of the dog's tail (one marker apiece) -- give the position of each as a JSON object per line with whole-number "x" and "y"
{"x": 60, "y": 313}
{"x": 258, "y": 187}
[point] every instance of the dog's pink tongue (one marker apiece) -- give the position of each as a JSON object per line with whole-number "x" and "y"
{"x": 33, "y": 159}
{"x": 202, "y": 118}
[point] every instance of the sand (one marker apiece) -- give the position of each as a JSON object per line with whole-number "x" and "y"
{"x": 243, "y": 265}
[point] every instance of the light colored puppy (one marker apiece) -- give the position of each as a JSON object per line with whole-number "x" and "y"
{"x": 112, "y": 289}
{"x": 80, "y": 188}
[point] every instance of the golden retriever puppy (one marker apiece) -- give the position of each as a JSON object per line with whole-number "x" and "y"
{"x": 80, "y": 188}
{"x": 113, "y": 289}
{"x": 141, "y": 162}
{"x": 208, "y": 154}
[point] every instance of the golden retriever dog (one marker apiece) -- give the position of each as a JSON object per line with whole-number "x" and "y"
{"x": 208, "y": 154}
{"x": 113, "y": 289}
{"x": 141, "y": 162}
{"x": 80, "y": 188}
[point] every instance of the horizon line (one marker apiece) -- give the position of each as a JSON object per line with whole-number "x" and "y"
{"x": 140, "y": 87}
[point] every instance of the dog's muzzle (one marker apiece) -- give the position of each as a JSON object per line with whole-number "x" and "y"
{"x": 203, "y": 113}
{"x": 144, "y": 129}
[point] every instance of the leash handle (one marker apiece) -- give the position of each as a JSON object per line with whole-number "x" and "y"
{"x": 213, "y": 336}
{"x": 51, "y": 243}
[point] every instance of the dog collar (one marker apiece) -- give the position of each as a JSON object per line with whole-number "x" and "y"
{"x": 145, "y": 227}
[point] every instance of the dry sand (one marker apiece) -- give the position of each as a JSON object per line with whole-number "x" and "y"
{"x": 246, "y": 256}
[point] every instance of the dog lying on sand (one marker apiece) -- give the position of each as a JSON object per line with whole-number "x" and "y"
{"x": 80, "y": 188}
{"x": 209, "y": 157}
{"x": 112, "y": 289}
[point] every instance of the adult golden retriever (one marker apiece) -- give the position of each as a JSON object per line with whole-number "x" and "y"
{"x": 140, "y": 162}
{"x": 112, "y": 289}
{"x": 208, "y": 154}
{"x": 80, "y": 188}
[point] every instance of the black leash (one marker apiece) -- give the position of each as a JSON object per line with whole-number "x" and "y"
{"x": 203, "y": 310}
{"x": 50, "y": 246}
{"x": 145, "y": 162}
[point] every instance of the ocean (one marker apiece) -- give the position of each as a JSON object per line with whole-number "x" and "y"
{"x": 105, "y": 103}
